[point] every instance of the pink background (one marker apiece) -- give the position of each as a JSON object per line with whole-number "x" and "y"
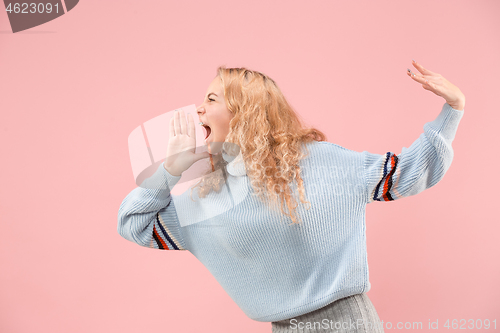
{"x": 73, "y": 89}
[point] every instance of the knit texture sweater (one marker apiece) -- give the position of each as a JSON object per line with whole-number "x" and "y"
{"x": 271, "y": 268}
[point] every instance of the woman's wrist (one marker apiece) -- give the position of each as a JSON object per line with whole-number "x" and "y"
{"x": 171, "y": 172}
{"x": 460, "y": 105}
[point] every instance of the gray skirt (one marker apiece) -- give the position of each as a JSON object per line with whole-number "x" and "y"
{"x": 351, "y": 314}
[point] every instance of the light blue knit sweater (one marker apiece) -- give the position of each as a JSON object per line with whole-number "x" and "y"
{"x": 272, "y": 269}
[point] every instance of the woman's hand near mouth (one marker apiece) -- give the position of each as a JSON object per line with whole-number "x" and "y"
{"x": 182, "y": 145}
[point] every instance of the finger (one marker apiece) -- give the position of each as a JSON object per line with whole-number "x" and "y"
{"x": 183, "y": 122}
{"x": 417, "y": 77}
{"x": 177, "y": 130}
{"x": 431, "y": 84}
{"x": 192, "y": 131}
{"x": 422, "y": 70}
{"x": 171, "y": 130}
{"x": 425, "y": 81}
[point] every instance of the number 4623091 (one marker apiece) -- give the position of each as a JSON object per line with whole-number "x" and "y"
{"x": 35, "y": 8}
{"x": 472, "y": 324}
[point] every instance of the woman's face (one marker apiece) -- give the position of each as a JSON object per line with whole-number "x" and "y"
{"x": 213, "y": 113}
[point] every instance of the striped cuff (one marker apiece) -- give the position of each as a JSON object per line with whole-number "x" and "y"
{"x": 382, "y": 191}
{"x": 163, "y": 238}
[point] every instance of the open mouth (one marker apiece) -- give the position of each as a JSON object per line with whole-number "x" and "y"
{"x": 208, "y": 131}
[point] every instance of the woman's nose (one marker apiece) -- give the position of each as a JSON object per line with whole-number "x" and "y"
{"x": 200, "y": 111}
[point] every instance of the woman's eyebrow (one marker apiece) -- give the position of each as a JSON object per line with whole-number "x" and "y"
{"x": 211, "y": 94}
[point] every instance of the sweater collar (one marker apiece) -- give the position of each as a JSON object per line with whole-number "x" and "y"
{"x": 236, "y": 165}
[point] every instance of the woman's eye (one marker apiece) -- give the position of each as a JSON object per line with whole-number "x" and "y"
{"x": 210, "y": 99}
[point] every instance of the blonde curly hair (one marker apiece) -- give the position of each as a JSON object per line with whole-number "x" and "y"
{"x": 269, "y": 134}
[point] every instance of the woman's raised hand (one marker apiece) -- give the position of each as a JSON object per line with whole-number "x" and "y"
{"x": 181, "y": 145}
{"x": 439, "y": 85}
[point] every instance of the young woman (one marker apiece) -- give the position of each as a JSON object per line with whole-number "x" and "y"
{"x": 300, "y": 266}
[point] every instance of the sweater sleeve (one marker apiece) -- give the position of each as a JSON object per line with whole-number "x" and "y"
{"x": 147, "y": 215}
{"x": 389, "y": 176}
